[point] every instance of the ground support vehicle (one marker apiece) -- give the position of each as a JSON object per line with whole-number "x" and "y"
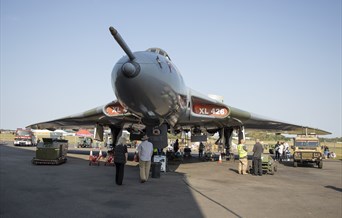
{"x": 269, "y": 166}
{"x": 51, "y": 152}
{"x": 306, "y": 149}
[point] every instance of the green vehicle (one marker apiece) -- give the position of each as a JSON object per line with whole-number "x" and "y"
{"x": 51, "y": 152}
{"x": 307, "y": 150}
{"x": 269, "y": 166}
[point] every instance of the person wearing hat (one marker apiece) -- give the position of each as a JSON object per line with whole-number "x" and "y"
{"x": 145, "y": 151}
{"x": 120, "y": 159}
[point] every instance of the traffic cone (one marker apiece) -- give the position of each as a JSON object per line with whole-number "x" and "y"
{"x": 90, "y": 157}
{"x": 220, "y": 159}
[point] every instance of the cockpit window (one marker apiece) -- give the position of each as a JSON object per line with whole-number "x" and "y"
{"x": 159, "y": 51}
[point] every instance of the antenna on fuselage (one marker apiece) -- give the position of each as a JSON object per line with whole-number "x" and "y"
{"x": 122, "y": 43}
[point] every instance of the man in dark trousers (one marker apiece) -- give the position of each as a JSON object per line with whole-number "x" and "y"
{"x": 120, "y": 159}
{"x": 257, "y": 163}
{"x": 200, "y": 150}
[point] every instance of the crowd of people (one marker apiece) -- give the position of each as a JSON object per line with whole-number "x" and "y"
{"x": 174, "y": 150}
{"x": 145, "y": 153}
{"x": 327, "y": 153}
{"x": 282, "y": 151}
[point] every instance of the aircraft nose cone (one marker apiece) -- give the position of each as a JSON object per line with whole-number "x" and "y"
{"x": 130, "y": 69}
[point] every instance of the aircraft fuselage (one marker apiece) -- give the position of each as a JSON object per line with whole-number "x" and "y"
{"x": 150, "y": 86}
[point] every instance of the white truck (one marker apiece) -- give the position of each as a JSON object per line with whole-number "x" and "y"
{"x": 24, "y": 137}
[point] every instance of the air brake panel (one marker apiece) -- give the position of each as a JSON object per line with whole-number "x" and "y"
{"x": 114, "y": 109}
{"x": 210, "y": 110}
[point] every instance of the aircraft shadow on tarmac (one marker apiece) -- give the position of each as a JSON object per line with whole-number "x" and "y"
{"x": 81, "y": 181}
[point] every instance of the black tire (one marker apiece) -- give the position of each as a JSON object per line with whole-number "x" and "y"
{"x": 295, "y": 164}
{"x": 320, "y": 164}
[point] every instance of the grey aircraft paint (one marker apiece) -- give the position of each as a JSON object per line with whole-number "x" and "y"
{"x": 151, "y": 92}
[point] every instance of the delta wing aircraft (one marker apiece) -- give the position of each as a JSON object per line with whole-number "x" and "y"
{"x": 153, "y": 99}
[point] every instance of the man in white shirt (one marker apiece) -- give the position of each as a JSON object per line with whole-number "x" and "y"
{"x": 281, "y": 151}
{"x": 145, "y": 151}
{"x": 286, "y": 151}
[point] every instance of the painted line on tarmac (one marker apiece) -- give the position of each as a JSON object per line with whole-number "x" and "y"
{"x": 207, "y": 197}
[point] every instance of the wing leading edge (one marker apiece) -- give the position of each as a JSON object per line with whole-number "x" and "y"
{"x": 213, "y": 114}
{"x": 204, "y": 112}
{"x": 111, "y": 114}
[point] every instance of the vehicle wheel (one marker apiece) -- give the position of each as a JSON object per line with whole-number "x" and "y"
{"x": 320, "y": 164}
{"x": 295, "y": 164}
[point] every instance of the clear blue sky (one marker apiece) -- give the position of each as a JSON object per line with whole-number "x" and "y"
{"x": 280, "y": 59}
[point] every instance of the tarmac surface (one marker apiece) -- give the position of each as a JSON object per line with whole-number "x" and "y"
{"x": 191, "y": 189}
